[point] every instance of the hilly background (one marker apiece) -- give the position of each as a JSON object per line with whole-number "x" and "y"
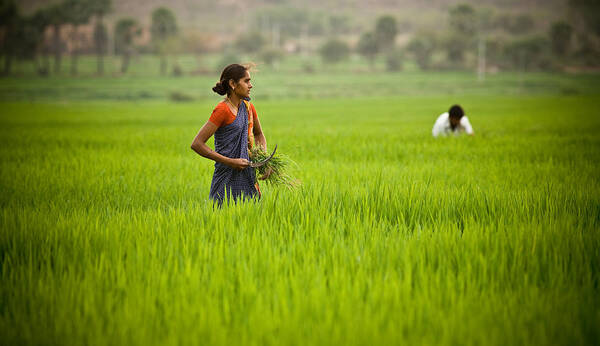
{"x": 234, "y": 16}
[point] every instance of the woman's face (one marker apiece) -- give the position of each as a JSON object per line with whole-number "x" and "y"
{"x": 243, "y": 86}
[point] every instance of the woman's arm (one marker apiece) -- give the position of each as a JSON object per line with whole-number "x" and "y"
{"x": 261, "y": 141}
{"x": 199, "y": 146}
{"x": 259, "y": 137}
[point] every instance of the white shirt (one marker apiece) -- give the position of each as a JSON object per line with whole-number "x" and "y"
{"x": 442, "y": 126}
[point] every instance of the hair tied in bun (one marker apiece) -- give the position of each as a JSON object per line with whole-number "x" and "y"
{"x": 219, "y": 89}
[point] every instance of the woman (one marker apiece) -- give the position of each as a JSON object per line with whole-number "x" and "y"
{"x": 236, "y": 128}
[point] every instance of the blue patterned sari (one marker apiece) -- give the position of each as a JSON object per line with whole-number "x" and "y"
{"x": 232, "y": 141}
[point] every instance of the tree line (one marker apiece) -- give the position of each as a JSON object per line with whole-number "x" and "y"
{"x": 478, "y": 36}
{"x": 38, "y": 37}
{"x": 471, "y": 37}
{"x": 24, "y": 37}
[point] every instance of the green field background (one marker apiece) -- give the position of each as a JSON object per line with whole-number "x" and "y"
{"x": 107, "y": 236}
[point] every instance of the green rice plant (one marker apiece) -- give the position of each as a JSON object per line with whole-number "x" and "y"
{"x": 277, "y": 168}
{"x": 107, "y": 235}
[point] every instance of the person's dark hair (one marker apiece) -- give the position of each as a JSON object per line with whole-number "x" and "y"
{"x": 456, "y": 112}
{"x": 233, "y": 71}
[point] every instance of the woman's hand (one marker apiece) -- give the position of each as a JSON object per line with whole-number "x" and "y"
{"x": 266, "y": 175}
{"x": 238, "y": 164}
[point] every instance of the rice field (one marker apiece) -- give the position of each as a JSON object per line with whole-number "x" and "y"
{"x": 107, "y": 236}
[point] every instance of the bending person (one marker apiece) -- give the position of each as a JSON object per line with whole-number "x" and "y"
{"x": 236, "y": 127}
{"x": 454, "y": 121}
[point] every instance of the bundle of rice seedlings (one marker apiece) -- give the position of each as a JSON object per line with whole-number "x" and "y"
{"x": 278, "y": 164}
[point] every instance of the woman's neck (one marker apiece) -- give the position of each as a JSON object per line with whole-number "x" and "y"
{"x": 234, "y": 99}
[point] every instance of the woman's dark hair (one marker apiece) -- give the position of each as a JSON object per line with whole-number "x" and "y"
{"x": 233, "y": 71}
{"x": 456, "y": 112}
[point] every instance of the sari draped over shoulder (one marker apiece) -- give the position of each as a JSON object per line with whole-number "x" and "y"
{"x": 232, "y": 141}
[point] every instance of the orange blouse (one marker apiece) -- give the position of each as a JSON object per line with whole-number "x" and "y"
{"x": 222, "y": 116}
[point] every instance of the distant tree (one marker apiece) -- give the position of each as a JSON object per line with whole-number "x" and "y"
{"x": 334, "y": 51}
{"x": 516, "y": 25}
{"x": 250, "y": 42}
{"x": 40, "y": 20}
{"x": 463, "y": 20}
{"x": 589, "y": 12}
{"x": 28, "y": 38}
{"x": 495, "y": 50}
{"x": 560, "y": 38}
{"x": 367, "y": 47}
{"x": 100, "y": 45}
{"x": 386, "y": 30}
{"x": 8, "y": 12}
{"x": 522, "y": 24}
{"x": 586, "y": 21}
{"x": 9, "y": 23}
{"x": 528, "y": 53}
{"x": 100, "y": 8}
{"x": 56, "y": 18}
{"x": 394, "y": 60}
{"x": 422, "y": 47}
{"x": 125, "y": 31}
{"x": 484, "y": 21}
{"x": 19, "y": 35}
{"x": 468, "y": 28}
{"x": 501, "y": 21}
{"x": 77, "y": 12}
{"x": 588, "y": 50}
{"x": 163, "y": 28}
{"x": 456, "y": 47}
